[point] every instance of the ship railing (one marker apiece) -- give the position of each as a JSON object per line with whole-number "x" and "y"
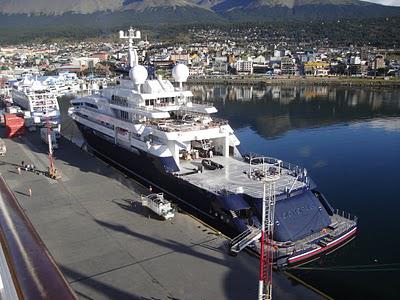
{"x": 255, "y": 161}
{"x": 184, "y": 127}
{"x": 27, "y": 269}
{"x": 297, "y": 248}
{"x": 346, "y": 215}
{"x": 283, "y": 191}
{"x": 306, "y": 243}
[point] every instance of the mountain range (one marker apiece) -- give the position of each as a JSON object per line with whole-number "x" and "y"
{"x": 233, "y": 10}
{"x": 27, "y": 16}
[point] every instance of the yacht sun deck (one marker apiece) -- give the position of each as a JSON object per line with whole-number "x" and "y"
{"x": 234, "y": 176}
{"x": 171, "y": 125}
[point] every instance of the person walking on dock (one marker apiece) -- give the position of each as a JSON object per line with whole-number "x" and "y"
{"x": 30, "y": 192}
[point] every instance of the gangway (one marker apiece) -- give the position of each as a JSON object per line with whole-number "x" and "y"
{"x": 244, "y": 239}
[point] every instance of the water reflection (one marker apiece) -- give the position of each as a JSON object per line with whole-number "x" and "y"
{"x": 390, "y": 124}
{"x": 273, "y": 110}
{"x": 352, "y": 152}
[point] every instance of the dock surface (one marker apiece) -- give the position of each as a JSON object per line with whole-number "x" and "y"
{"x": 110, "y": 247}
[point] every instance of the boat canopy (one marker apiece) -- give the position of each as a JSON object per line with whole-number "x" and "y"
{"x": 299, "y": 216}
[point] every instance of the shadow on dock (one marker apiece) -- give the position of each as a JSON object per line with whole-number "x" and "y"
{"x": 238, "y": 276}
{"x": 106, "y": 289}
{"x": 136, "y": 207}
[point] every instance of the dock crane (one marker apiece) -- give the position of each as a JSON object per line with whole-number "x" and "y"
{"x": 52, "y": 171}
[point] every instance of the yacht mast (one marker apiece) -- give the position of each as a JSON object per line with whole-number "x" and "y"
{"x": 131, "y": 35}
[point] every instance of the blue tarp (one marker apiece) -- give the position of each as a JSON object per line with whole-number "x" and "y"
{"x": 299, "y": 216}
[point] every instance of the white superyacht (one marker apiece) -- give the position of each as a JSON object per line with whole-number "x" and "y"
{"x": 155, "y": 132}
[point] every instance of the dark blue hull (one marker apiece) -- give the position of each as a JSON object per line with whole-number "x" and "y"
{"x": 298, "y": 216}
{"x": 148, "y": 170}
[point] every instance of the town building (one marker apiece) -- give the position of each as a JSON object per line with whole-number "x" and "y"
{"x": 244, "y": 66}
{"x": 288, "y": 66}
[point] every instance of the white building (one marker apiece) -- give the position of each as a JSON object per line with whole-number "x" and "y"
{"x": 244, "y": 66}
{"x": 220, "y": 65}
{"x": 259, "y": 60}
{"x": 85, "y": 62}
{"x": 279, "y": 53}
{"x": 196, "y": 71}
{"x": 355, "y": 60}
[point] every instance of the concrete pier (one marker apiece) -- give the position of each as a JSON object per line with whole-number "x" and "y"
{"x": 109, "y": 247}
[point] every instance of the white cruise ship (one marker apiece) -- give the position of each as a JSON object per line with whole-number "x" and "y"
{"x": 33, "y": 96}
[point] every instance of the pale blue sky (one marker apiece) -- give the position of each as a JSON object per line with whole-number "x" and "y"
{"x": 386, "y": 2}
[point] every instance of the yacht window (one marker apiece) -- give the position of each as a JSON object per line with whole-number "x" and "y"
{"x": 124, "y": 115}
{"x": 119, "y": 100}
{"x": 91, "y": 105}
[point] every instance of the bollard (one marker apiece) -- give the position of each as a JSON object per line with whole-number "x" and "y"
{"x": 30, "y": 192}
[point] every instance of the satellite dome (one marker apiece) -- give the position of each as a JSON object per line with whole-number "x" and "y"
{"x": 138, "y": 74}
{"x": 180, "y": 73}
{"x": 27, "y": 81}
{"x": 37, "y": 86}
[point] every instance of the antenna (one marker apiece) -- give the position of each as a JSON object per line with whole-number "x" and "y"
{"x": 130, "y": 35}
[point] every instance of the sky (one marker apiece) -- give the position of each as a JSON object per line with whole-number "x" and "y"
{"x": 386, "y": 2}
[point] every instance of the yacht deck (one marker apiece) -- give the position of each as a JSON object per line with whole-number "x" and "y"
{"x": 234, "y": 176}
{"x": 171, "y": 125}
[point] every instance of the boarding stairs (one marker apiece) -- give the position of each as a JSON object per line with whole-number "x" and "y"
{"x": 244, "y": 239}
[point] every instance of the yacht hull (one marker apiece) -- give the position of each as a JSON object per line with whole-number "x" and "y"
{"x": 147, "y": 169}
{"x": 204, "y": 204}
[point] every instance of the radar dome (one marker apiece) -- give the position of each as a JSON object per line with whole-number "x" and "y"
{"x": 180, "y": 73}
{"x": 138, "y": 74}
{"x": 37, "y": 86}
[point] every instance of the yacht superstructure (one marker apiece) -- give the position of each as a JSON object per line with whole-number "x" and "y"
{"x": 62, "y": 84}
{"x": 33, "y": 96}
{"x": 155, "y": 131}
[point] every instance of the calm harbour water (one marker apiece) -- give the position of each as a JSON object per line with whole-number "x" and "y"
{"x": 349, "y": 140}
